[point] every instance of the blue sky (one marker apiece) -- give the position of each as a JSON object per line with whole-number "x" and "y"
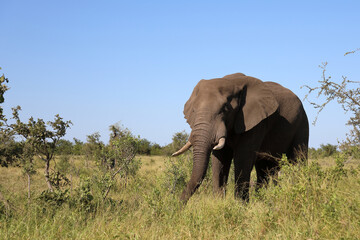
{"x": 97, "y": 63}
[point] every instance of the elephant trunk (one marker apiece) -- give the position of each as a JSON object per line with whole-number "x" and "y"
{"x": 202, "y": 141}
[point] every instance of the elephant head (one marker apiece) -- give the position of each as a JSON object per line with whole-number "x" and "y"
{"x": 217, "y": 108}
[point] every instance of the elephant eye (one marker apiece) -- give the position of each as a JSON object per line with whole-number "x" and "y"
{"x": 227, "y": 107}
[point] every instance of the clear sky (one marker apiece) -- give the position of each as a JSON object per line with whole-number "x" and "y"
{"x": 97, "y": 63}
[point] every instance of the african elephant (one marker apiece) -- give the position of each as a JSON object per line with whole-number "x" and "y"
{"x": 242, "y": 118}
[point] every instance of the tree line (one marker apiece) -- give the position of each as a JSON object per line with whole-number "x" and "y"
{"x": 11, "y": 149}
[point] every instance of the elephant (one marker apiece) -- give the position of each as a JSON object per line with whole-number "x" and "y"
{"x": 243, "y": 119}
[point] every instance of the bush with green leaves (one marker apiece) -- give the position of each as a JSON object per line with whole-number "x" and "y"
{"x": 325, "y": 150}
{"x": 117, "y": 159}
{"x": 93, "y": 146}
{"x": 3, "y": 89}
{"x": 179, "y": 139}
{"x": 83, "y": 198}
{"x": 41, "y": 137}
{"x": 77, "y": 147}
{"x": 64, "y": 147}
{"x": 63, "y": 165}
{"x": 10, "y": 150}
{"x": 177, "y": 172}
{"x": 53, "y": 198}
{"x": 156, "y": 149}
{"x": 60, "y": 191}
{"x": 308, "y": 190}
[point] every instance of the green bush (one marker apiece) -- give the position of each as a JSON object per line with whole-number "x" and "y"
{"x": 177, "y": 172}
{"x": 54, "y": 198}
{"x": 83, "y": 198}
{"x": 325, "y": 150}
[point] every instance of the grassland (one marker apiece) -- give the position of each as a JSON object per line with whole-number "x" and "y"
{"x": 317, "y": 201}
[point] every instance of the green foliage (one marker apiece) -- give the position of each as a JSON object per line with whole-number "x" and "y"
{"x": 58, "y": 180}
{"x": 155, "y": 149}
{"x": 64, "y": 147}
{"x": 10, "y": 150}
{"x": 64, "y": 165}
{"x": 103, "y": 182}
{"x": 161, "y": 204}
{"x": 83, "y": 198}
{"x": 325, "y": 150}
{"x": 77, "y": 147}
{"x": 328, "y": 150}
{"x": 53, "y": 198}
{"x": 40, "y": 138}
{"x": 177, "y": 172}
{"x": 27, "y": 159}
{"x": 117, "y": 159}
{"x": 93, "y": 147}
{"x": 119, "y": 153}
{"x": 144, "y": 147}
{"x": 60, "y": 194}
{"x": 353, "y": 151}
{"x": 3, "y": 89}
{"x": 37, "y": 134}
{"x": 179, "y": 139}
{"x": 339, "y": 171}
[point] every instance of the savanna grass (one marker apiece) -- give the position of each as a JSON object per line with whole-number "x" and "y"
{"x": 307, "y": 202}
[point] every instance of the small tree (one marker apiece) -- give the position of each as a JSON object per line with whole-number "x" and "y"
{"x": 3, "y": 89}
{"x": 118, "y": 157}
{"x": 77, "y": 146}
{"x": 64, "y": 147}
{"x": 27, "y": 162}
{"x": 93, "y": 147}
{"x": 327, "y": 150}
{"x": 8, "y": 147}
{"x": 347, "y": 94}
{"x": 144, "y": 147}
{"x": 155, "y": 149}
{"x": 10, "y": 150}
{"x": 179, "y": 139}
{"x": 40, "y": 138}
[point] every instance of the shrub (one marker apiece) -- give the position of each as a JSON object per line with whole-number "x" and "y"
{"x": 83, "y": 198}
{"x": 177, "y": 172}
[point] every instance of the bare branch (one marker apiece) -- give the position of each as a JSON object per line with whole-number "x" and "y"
{"x": 346, "y": 93}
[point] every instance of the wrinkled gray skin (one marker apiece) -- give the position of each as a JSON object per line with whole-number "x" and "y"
{"x": 254, "y": 117}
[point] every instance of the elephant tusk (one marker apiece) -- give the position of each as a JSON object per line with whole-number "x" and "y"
{"x": 220, "y": 145}
{"x": 183, "y": 149}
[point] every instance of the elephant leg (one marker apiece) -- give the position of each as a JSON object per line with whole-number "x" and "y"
{"x": 221, "y": 162}
{"x": 265, "y": 169}
{"x": 298, "y": 150}
{"x": 243, "y": 166}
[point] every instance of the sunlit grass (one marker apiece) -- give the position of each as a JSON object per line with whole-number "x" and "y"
{"x": 309, "y": 202}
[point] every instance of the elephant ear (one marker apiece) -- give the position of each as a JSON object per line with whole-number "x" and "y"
{"x": 189, "y": 112}
{"x": 257, "y": 103}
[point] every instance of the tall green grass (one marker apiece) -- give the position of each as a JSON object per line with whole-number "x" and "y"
{"x": 307, "y": 202}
